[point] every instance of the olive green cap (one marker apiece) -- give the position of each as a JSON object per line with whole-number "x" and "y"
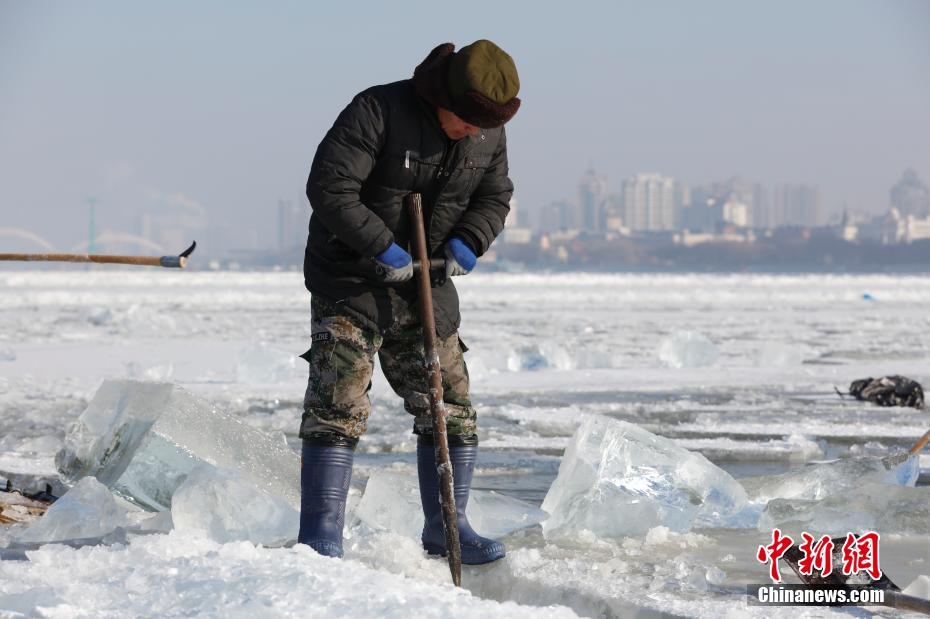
{"x": 485, "y": 68}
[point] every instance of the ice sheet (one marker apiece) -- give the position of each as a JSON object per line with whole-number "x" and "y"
{"x": 868, "y": 507}
{"x": 743, "y": 407}
{"x": 142, "y": 439}
{"x": 223, "y": 506}
{"x": 87, "y": 510}
{"x": 817, "y": 481}
{"x": 617, "y": 479}
{"x": 391, "y": 502}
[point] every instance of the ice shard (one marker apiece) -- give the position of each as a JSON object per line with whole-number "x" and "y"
{"x": 87, "y": 510}
{"x": 617, "y": 479}
{"x": 141, "y": 439}
{"x": 872, "y": 506}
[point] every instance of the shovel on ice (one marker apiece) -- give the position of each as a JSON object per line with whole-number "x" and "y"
{"x": 414, "y": 205}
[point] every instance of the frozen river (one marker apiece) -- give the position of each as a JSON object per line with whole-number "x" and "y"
{"x": 761, "y": 355}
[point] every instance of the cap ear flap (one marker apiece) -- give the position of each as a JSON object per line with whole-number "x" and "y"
{"x": 478, "y": 110}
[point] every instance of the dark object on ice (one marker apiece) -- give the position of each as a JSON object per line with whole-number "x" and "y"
{"x": 44, "y": 496}
{"x": 17, "y": 506}
{"x": 893, "y": 596}
{"x": 888, "y": 391}
{"x": 442, "y": 461}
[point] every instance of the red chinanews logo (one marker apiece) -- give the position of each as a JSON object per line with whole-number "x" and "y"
{"x": 859, "y": 554}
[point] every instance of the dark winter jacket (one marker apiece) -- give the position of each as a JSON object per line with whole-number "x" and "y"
{"x": 386, "y": 144}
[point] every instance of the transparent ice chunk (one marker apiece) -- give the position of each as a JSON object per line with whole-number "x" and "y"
{"x": 222, "y": 505}
{"x": 263, "y": 363}
{"x": 817, "y": 481}
{"x": 687, "y": 349}
{"x": 142, "y": 439}
{"x": 617, "y": 479}
{"x": 871, "y": 507}
{"x": 392, "y": 501}
{"x": 87, "y": 510}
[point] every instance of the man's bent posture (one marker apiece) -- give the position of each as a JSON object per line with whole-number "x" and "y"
{"x": 439, "y": 134}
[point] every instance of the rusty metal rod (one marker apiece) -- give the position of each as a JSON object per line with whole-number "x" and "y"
{"x": 437, "y": 407}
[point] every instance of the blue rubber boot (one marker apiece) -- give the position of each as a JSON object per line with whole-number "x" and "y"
{"x": 463, "y": 452}
{"x": 325, "y": 473}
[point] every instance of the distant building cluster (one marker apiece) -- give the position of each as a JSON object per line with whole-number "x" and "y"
{"x": 655, "y": 220}
{"x": 650, "y": 203}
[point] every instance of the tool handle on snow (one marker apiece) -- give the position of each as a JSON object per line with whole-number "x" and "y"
{"x": 919, "y": 445}
{"x": 437, "y": 408}
{"x": 169, "y": 262}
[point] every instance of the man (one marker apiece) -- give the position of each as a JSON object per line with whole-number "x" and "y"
{"x": 439, "y": 134}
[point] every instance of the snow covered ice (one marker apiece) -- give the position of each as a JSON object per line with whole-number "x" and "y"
{"x": 391, "y": 501}
{"x": 617, "y": 479}
{"x": 223, "y": 506}
{"x": 142, "y": 439}
{"x": 87, "y": 510}
{"x": 537, "y": 369}
{"x": 687, "y": 349}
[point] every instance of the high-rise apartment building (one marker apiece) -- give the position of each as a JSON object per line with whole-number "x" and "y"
{"x": 794, "y": 205}
{"x": 649, "y": 203}
{"x": 592, "y": 198}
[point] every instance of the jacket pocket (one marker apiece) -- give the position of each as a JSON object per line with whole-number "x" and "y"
{"x": 475, "y": 167}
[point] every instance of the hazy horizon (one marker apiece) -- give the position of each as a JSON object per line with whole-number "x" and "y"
{"x": 218, "y": 107}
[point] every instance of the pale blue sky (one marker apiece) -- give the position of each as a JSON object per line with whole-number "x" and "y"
{"x": 225, "y": 102}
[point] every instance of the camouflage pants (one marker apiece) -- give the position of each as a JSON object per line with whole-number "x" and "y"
{"x": 341, "y": 358}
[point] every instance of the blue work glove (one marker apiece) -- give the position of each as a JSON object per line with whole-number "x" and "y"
{"x": 460, "y": 259}
{"x": 395, "y": 264}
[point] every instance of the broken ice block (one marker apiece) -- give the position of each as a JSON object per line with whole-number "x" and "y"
{"x": 87, "y": 510}
{"x": 617, "y": 479}
{"x": 141, "y": 439}
{"x": 392, "y": 501}
{"x": 223, "y": 506}
{"x": 687, "y": 349}
{"x": 870, "y": 507}
{"x": 817, "y": 481}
